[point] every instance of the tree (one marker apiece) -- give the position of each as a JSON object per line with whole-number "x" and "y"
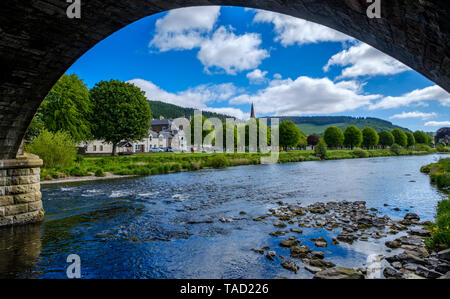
{"x": 352, "y": 137}
{"x": 370, "y": 137}
{"x": 289, "y": 134}
{"x": 400, "y": 137}
{"x": 121, "y": 112}
{"x": 321, "y": 149}
{"x": 36, "y": 127}
{"x": 410, "y": 140}
{"x": 225, "y": 129}
{"x": 313, "y": 140}
{"x": 386, "y": 138}
{"x": 67, "y": 107}
{"x": 420, "y": 137}
{"x": 334, "y": 137}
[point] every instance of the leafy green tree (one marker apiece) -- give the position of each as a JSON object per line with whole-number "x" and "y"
{"x": 352, "y": 137}
{"x": 420, "y": 137}
{"x": 333, "y": 137}
{"x": 370, "y": 137}
{"x": 410, "y": 140}
{"x": 265, "y": 129}
{"x": 400, "y": 137}
{"x": 386, "y": 138}
{"x": 205, "y": 132}
{"x": 321, "y": 149}
{"x": 290, "y": 135}
{"x": 55, "y": 149}
{"x": 67, "y": 107}
{"x": 36, "y": 127}
{"x": 121, "y": 112}
{"x": 313, "y": 140}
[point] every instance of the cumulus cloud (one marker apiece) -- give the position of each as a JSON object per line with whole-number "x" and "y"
{"x": 197, "y": 97}
{"x": 417, "y": 97}
{"x": 184, "y": 28}
{"x": 291, "y": 30}
{"x": 437, "y": 123}
{"x": 362, "y": 59}
{"x": 414, "y": 114}
{"x": 230, "y": 52}
{"x": 306, "y": 95}
{"x": 257, "y": 76}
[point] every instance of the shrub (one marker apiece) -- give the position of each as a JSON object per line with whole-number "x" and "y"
{"x": 99, "y": 173}
{"x": 321, "y": 150}
{"x": 176, "y": 167}
{"x": 78, "y": 171}
{"x": 396, "y": 149}
{"x": 55, "y": 149}
{"x": 360, "y": 153}
{"x": 218, "y": 162}
{"x": 422, "y": 147}
{"x": 442, "y": 148}
{"x": 440, "y": 230}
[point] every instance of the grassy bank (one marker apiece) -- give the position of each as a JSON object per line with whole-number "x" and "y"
{"x": 440, "y": 230}
{"x": 160, "y": 163}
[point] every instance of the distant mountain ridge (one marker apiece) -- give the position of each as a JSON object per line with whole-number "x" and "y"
{"x": 318, "y": 124}
{"x": 308, "y": 124}
{"x": 171, "y": 111}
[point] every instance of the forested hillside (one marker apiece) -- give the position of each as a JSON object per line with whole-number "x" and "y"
{"x": 173, "y": 111}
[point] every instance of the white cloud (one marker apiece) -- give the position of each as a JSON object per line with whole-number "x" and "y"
{"x": 291, "y": 30}
{"x": 257, "y": 76}
{"x": 437, "y": 123}
{"x": 417, "y": 97}
{"x": 277, "y": 76}
{"x": 197, "y": 97}
{"x": 306, "y": 95}
{"x": 184, "y": 28}
{"x": 414, "y": 114}
{"x": 362, "y": 59}
{"x": 230, "y": 52}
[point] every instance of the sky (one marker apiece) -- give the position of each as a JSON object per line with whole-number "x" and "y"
{"x": 222, "y": 59}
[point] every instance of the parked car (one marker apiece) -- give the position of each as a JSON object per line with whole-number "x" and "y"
{"x": 153, "y": 150}
{"x": 169, "y": 150}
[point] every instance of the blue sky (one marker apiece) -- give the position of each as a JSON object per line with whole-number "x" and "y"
{"x": 222, "y": 59}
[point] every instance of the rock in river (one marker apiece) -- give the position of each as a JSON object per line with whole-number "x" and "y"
{"x": 339, "y": 273}
{"x": 289, "y": 243}
{"x": 290, "y": 265}
{"x": 412, "y": 217}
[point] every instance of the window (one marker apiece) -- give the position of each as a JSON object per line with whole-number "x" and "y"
{"x": 137, "y": 147}
{"x": 94, "y": 148}
{"x": 101, "y": 148}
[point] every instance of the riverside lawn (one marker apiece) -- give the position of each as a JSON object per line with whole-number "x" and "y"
{"x": 161, "y": 163}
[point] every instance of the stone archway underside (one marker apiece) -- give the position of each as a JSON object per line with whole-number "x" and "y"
{"x": 38, "y": 43}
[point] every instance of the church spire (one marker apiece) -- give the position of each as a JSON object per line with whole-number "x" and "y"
{"x": 252, "y": 113}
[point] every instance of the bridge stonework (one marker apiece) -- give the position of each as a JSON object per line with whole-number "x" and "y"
{"x": 20, "y": 195}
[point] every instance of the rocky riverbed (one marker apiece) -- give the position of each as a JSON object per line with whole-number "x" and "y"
{"x": 407, "y": 255}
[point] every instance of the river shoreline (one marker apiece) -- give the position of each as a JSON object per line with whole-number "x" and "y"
{"x": 333, "y": 155}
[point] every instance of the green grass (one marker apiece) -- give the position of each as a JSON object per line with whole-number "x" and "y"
{"x": 440, "y": 230}
{"x": 161, "y": 163}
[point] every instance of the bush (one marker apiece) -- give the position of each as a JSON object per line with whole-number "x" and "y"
{"x": 99, "y": 173}
{"x": 55, "y": 149}
{"x": 78, "y": 171}
{"x": 440, "y": 230}
{"x": 422, "y": 147}
{"x": 218, "y": 162}
{"x": 442, "y": 148}
{"x": 360, "y": 153}
{"x": 396, "y": 149}
{"x": 321, "y": 150}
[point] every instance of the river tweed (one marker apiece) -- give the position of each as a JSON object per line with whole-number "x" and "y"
{"x": 238, "y": 222}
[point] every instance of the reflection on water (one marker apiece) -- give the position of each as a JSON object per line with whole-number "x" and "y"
{"x": 167, "y": 226}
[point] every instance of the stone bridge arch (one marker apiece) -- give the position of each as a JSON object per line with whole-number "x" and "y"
{"x": 38, "y": 43}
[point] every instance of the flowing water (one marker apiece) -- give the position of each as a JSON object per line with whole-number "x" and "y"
{"x": 167, "y": 226}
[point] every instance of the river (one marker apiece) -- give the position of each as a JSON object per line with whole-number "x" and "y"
{"x": 167, "y": 226}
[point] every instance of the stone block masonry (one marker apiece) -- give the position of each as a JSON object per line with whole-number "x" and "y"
{"x": 20, "y": 195}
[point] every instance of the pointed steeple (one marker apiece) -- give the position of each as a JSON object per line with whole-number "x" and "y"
{"x": 252, "y": 113}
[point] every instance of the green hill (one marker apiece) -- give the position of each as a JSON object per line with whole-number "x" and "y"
{"x": 318, "y": 124}
{"x": 171, "y": 111}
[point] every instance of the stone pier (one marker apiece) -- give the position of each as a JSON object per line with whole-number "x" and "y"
{"x": 20, "y": 195}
